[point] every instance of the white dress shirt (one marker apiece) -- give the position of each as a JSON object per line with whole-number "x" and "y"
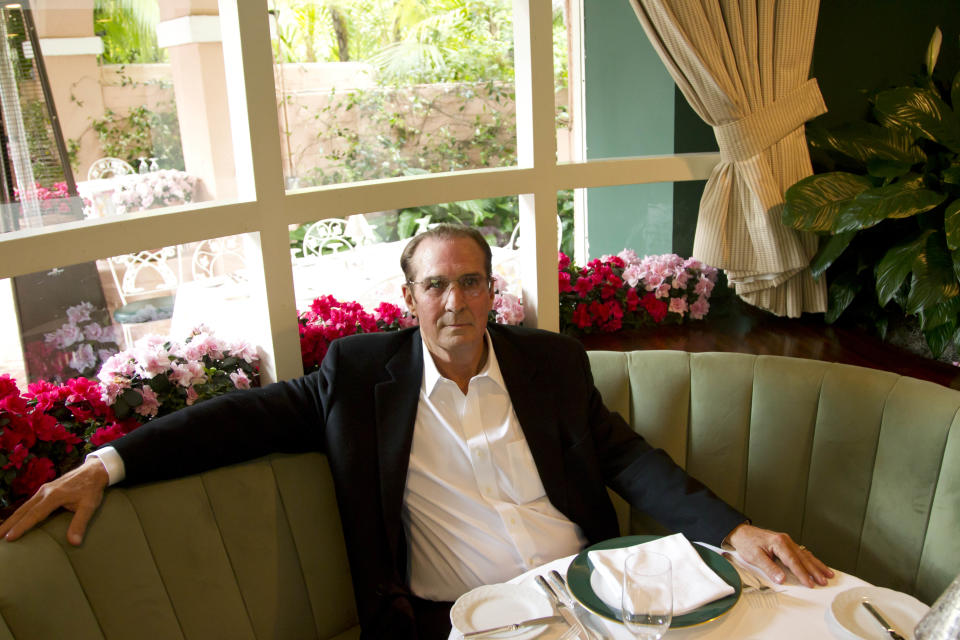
{"x": 475, "y": 511}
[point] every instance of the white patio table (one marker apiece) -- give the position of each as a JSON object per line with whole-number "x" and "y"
{"x": 800, "y": 613}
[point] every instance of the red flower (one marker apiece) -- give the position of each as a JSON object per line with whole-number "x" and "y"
{"x": 107, "y": 434}
{"x": 581, "y": 316}
{"x": 633, "y": 300}
{"x": 38, "y": 471}
{"x": 563, "y": 260}
{"x": 565, "y": 282}
{"x": 583, "y": 286}
{"x": 655, "y": 307}
{"x": 8, "y": 386}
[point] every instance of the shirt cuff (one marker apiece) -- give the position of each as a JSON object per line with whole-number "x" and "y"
{"x": 112, "y": 462}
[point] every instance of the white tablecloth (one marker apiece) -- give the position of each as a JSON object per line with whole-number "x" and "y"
{"x": 800, "y": 614}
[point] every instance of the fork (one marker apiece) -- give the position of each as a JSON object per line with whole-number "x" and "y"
{"x": 766, "y": 595}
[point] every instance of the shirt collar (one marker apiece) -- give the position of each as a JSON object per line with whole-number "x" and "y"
{"x": 431, "y": 375}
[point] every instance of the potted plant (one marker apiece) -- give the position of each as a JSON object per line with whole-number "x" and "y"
{"x": 889, "y": 210}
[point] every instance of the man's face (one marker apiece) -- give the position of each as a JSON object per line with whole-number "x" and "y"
{"x": 452, "y": 321}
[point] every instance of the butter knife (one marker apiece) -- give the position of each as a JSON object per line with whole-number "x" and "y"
{"x": 565, "y": 611}
{"x": 533, "y": 622}
{"x": 591, "y": 625}
{"x": 883, "y": 622}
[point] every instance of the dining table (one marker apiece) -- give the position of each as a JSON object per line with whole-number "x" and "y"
{"x": 794, "y": 612}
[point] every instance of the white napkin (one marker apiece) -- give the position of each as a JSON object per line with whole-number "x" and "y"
{"x": 694, "y": 583}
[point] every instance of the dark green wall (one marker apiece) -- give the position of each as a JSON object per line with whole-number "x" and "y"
{"x": 860, "y": 46}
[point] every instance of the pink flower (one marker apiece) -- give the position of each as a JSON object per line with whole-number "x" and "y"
{"x": 703, "y": 287}
{"x": 83, "y": 358}
{"x": 240, "y": 380}
{"x": 192, "y": 396}
{"x": 245, "y": 351}
{"x": 187, "y": 374}
{"x": 67, "y": 335}
{"x": 79, "y": 313}
{"x": 509, "y": 309}
{"x": 699, "y": 308}
{"x": 678, "y": 305}
{"x": 150, "y": 405}
{"x": 663, "y": 291}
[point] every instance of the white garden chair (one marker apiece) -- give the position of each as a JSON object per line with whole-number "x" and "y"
{"x": 326, "y": 236}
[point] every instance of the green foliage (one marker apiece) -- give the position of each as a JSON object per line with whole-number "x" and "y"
{"x": 406, "y": 131}
{"x": 142, "y": 133}
{"x": 128, "y": 29}
{"x": 889, "y": 210}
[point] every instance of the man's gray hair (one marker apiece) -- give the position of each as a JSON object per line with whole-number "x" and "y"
{"x": 445, "y": 231}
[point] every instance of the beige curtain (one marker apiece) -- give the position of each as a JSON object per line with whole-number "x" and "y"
{"x": 743, "y": 67}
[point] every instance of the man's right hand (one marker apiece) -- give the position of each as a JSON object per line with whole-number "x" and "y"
{"x": 80, "y": 491}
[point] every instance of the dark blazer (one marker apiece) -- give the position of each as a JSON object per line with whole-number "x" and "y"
{"x": 360, "y": 409}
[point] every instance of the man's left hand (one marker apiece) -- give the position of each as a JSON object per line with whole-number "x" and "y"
{"x": 762, "y": 548}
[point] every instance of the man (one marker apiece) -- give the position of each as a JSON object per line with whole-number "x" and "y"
{"x": 462, "y": 453}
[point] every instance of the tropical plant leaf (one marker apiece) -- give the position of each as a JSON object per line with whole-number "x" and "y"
{"x": 951, "y": 224}
{"x": 940, "y": 314}
{"x": 840, "y": 294}
{"x": 955, "y": 91}
{"x": 865, "y": 141}
{"x": 896, "y": 265}
{"x": 933, "y": 280}
{"x": 829, "y": 252}
{"x": 939, "y": 337}
{"x": 901, "y": 199}
{"x": 920, "y": 110}
{"x": 884, "y": 168}
{"x": 813, "y": 203}
{"x": 951, "y": 175}
{"x": 933, "y": 50}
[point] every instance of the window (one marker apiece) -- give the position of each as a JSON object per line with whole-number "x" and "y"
{"x": 255, "y": 202}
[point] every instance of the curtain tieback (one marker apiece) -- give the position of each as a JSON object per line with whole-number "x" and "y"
{"x": 742, "y": 139}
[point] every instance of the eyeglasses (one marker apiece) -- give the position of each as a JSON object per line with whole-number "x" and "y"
{"x": 471, "y": 285}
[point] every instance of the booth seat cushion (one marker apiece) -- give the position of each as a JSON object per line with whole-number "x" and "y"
{"x": 249, "y": 551}
{"x": 861, "y": 465}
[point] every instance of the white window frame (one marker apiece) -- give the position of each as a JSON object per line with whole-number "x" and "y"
{"x": 269, "y": 208}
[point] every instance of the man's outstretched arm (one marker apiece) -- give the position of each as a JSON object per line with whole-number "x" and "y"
{"x": 762, "y": 548}
{"x": 79, "y": 491}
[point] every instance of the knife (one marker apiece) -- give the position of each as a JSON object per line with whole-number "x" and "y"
{"x": 533, "y": 622}
{"x": 564, "y": 610}
{"x": 879, "y": 618}
{"x": 590, "y": 623}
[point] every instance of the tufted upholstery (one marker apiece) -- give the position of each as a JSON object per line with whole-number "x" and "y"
{"x": 861, "y": 465}
{"x": 249, "y": 551}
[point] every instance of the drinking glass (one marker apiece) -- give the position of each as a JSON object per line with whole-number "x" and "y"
{"x": 647, "y": 602}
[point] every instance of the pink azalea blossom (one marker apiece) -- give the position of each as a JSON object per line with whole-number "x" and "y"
{"x": 240, "y": 380}
{"x": 150, "y": 404}
{"x": 699, "y": 308}
{"x": 678, "y": 305}
{"x": 83, "y": 358}
{"x": 79, "y": 313}
{"x": 509, "y": 309}
{"x": 192, "y": 396}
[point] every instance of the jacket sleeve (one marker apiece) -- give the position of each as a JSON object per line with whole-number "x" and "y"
{"x": 282, "y": 417}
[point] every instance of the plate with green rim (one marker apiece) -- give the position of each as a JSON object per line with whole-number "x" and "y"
{"x": 580, "y": 570}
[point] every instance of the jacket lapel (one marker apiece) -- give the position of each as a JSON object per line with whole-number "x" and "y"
{"x": 535, "y": 406}
{"x": 396, "y": 401}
